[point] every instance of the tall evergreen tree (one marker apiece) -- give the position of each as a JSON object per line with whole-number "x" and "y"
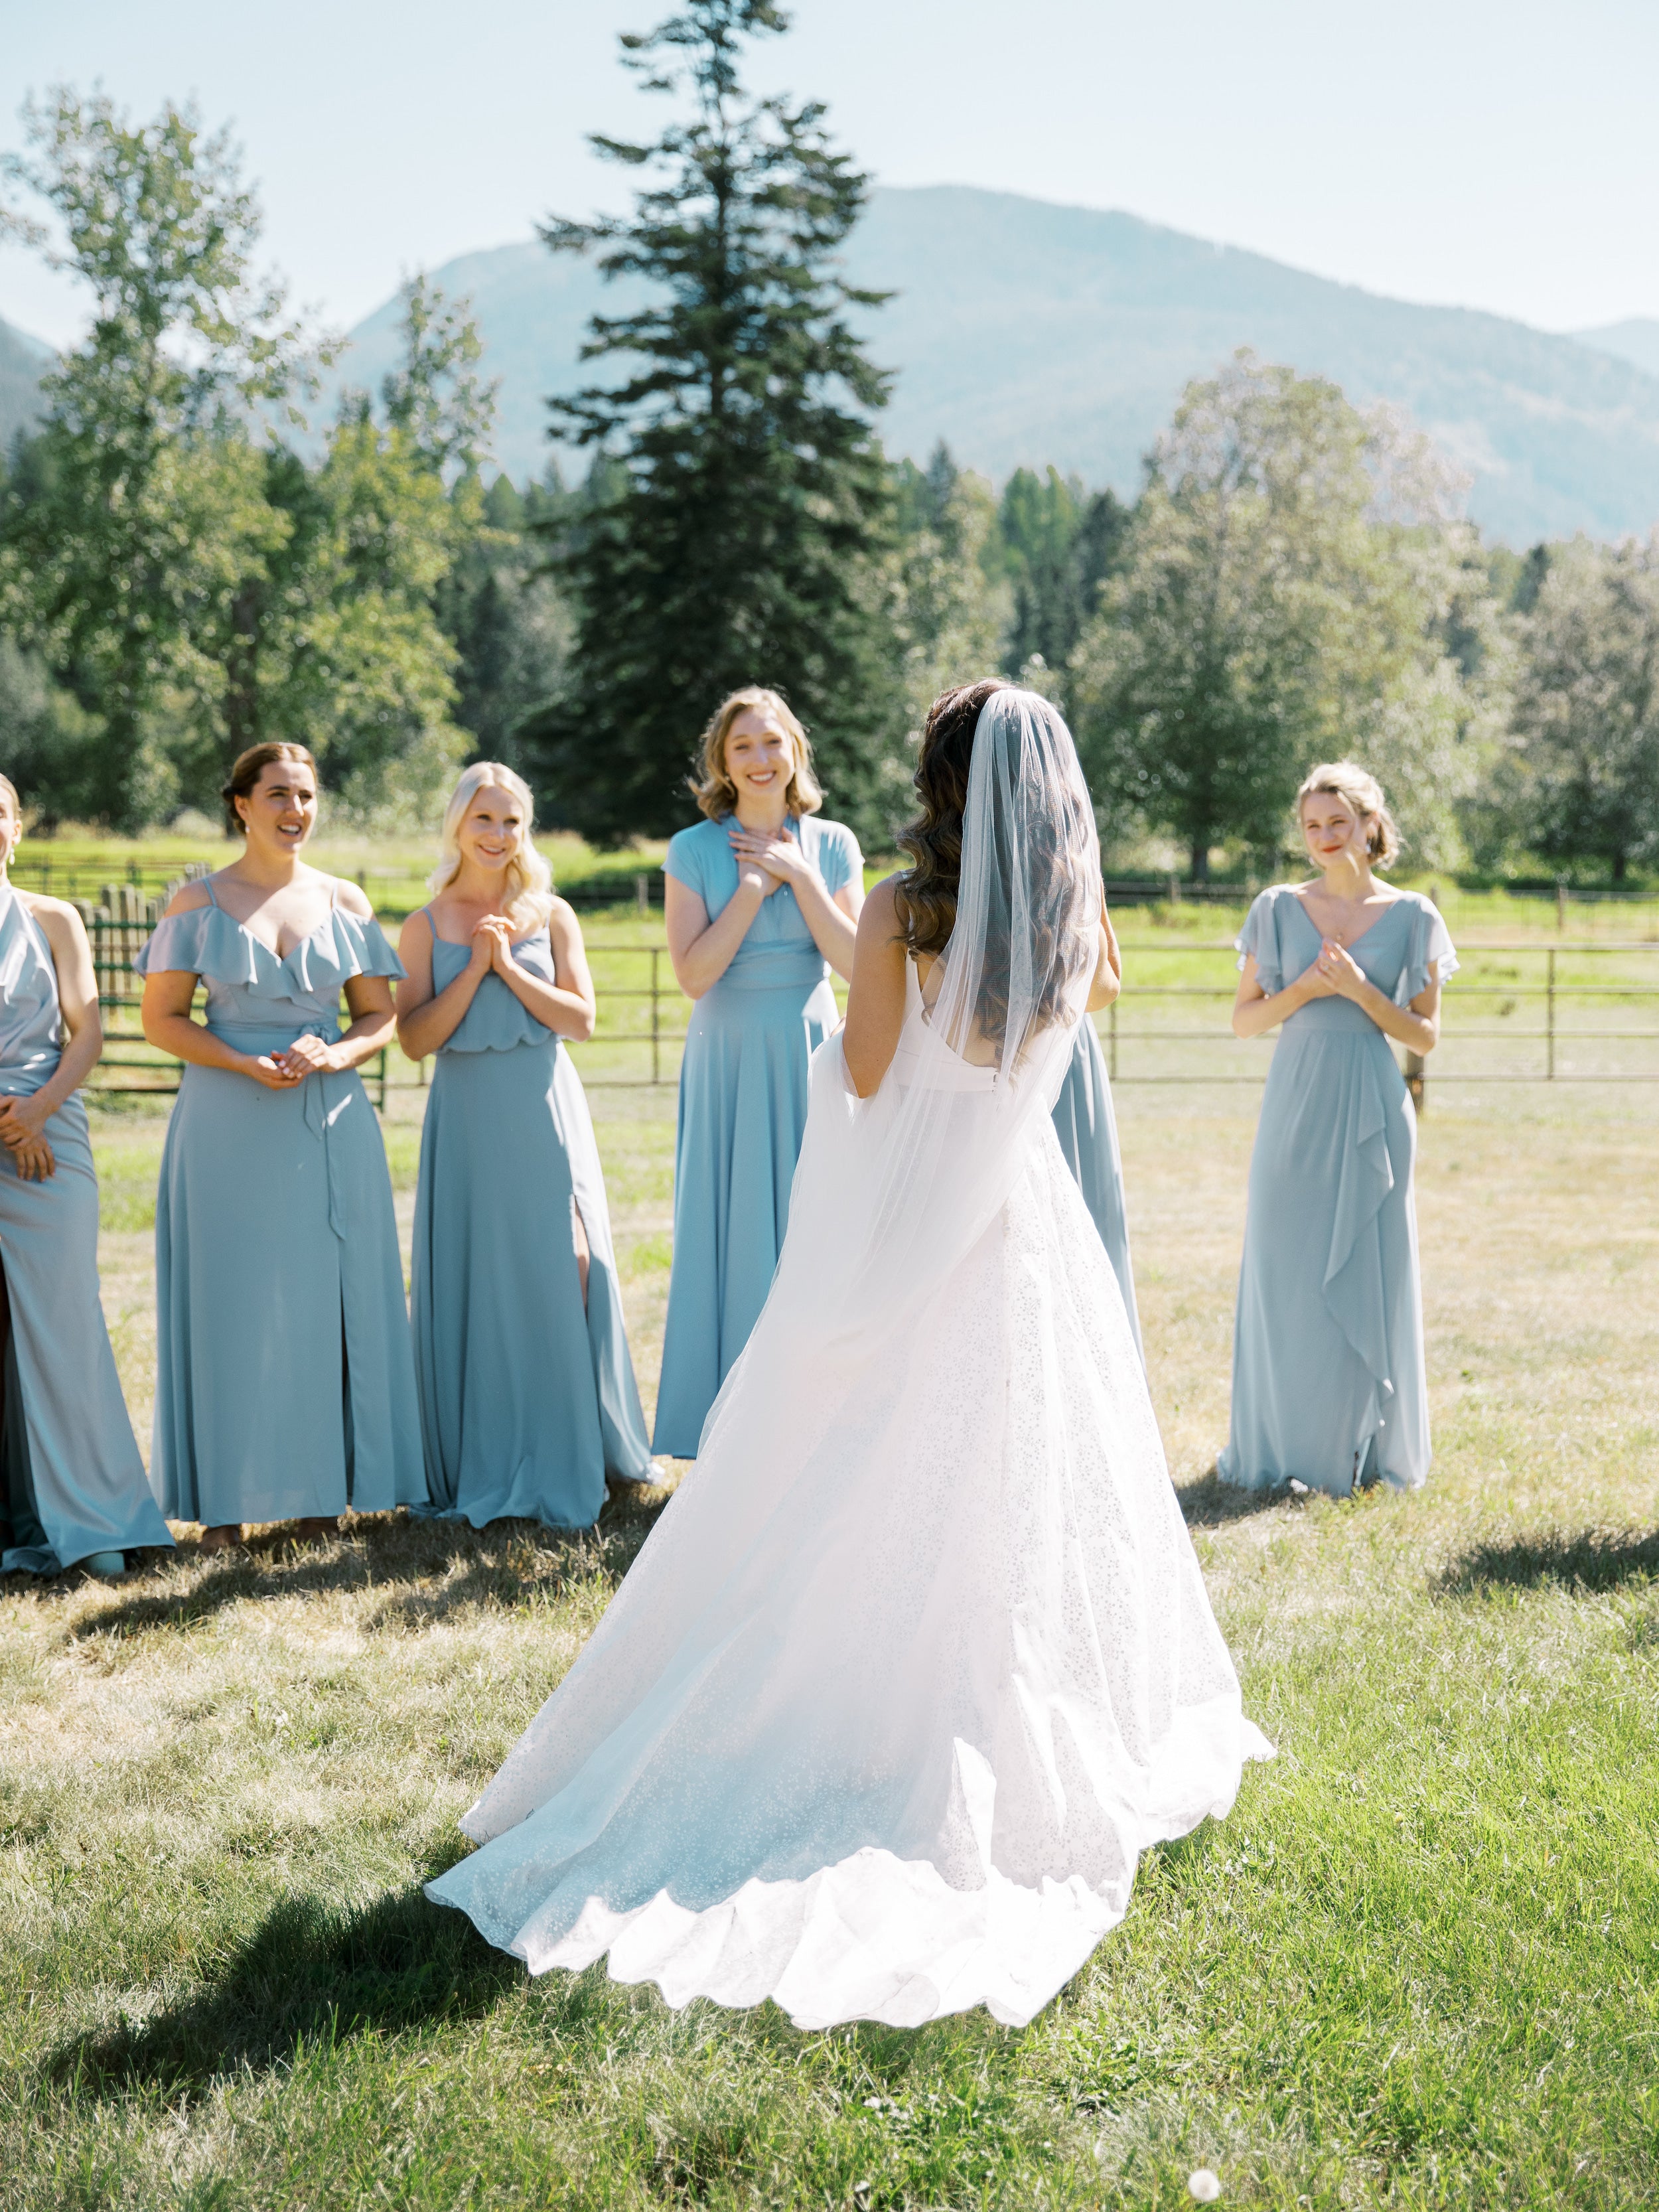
{"x": 733, "y": 544}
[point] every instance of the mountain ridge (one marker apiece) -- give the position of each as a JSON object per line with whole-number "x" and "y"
{"x": 1026, "y": 332}
{"x": 22, "y": 360}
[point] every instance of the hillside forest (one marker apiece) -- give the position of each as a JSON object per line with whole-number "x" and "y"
{"x": 193, "y": 560}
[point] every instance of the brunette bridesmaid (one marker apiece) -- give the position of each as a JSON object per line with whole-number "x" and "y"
{"x": 1328, "y": 1381}
{"x": 528, "y": 1392}
{"x": 72, "y": 1488}
{"x": 284, "y": 1386}
{"x": 763, "y": 901}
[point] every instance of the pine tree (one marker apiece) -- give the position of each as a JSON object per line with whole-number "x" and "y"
{"x": 733, "y": 543}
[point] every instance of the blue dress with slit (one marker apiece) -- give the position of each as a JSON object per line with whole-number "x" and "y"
{"x": 1328, "y": 1374}
{"x": 284, "y": 1377}
{"x": 742, "y": 1113}
{"x": 526, "y": 1402}
{"x": 71, "y": 1480}
{"x": 1087, "y": 1130}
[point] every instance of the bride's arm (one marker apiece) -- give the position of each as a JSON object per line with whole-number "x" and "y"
{"x": 875, "y": 1003}
{"x": 1108, "y": 967}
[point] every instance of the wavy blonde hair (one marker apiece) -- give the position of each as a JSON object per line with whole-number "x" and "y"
{"x": 1357, "y": 787}
{"x": 716, "y": 794}
{"x": 529, "y": 890}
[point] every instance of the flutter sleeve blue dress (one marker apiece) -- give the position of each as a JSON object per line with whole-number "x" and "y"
{"x": 1328, "y": 1375}
{"x": 1087, "y": 1130}
{"x": 73, "y": 1481}
{"x": 284, "y": 1377}
{"x": 741, "y": 1113}
{"x": 526, "y": 1402}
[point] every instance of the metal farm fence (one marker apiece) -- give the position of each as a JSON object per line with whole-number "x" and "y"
{"x": 1516, "y": 1012}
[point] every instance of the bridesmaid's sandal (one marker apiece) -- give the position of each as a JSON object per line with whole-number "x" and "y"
{"x": 106, "y": 1564}
{"x": 226, "y": 1537}
{"x": 316, "y": 1528}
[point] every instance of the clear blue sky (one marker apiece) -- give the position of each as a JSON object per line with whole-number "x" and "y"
{"x": 1501, "y": 154}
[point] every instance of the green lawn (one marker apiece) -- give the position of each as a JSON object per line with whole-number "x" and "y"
{"x": 1419, "y": 1966}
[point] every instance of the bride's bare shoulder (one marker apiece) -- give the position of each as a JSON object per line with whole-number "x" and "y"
{"x": 880, "y": 915}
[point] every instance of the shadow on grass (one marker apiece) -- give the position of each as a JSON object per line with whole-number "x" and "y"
{"x": 311, "y": 1973}
{"x": 1587, "y": 1559}
{"x": 1209, "y": 1502}
{"x": 427, "y": 1569}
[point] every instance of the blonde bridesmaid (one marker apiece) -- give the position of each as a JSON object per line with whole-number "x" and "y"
{"x": 528, "y": 1392}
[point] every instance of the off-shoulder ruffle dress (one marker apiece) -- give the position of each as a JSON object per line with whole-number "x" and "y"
{"x": 1328, "y": 1372}
{"x": 284, "y": 1373}
{"x": 526, "y": 1401}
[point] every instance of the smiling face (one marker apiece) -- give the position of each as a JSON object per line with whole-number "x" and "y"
{"x": 1335, "y": 830}
{"x": 491, "y": 829}
{"x": 759, "y": 758}
{"x": 280, "y": 812}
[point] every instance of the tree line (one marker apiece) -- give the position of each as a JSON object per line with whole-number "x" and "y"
{"x": 190, "y": 564}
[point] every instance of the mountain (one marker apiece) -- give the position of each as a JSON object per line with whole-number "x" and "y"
{"x": 23, "y": 359}
{"x": 1636, "y": 341}
{"x": 1024, "y": 332}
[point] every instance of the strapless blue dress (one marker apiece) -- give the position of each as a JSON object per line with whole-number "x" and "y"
{"x": 284, "y": 1377}
{"x": 73, "y": 1482}
{"x": 1329, "y": 1385}
{"x": 526, "y": 1402}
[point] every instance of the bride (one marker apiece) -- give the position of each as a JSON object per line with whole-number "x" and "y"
{"x": 918, "y": 1660}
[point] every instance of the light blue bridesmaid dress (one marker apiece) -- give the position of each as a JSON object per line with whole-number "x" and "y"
{"x": 1087, "y": 1130}
{"x": 1328, "y": 1381}
{"x": 285, "y": 1378}
{"x": 526, "y": 1401}
{"x": 742, "y": 1112}
{"x": 73, "y": 1481}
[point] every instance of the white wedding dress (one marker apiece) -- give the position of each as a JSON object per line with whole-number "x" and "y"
{"x": 918, "y": 1660}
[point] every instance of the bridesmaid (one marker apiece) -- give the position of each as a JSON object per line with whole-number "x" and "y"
{"x": 527, "y": 1391}
{"x": 1329, "y": 1385}
{"x": 72, "y": 1488}
{"x": 285, "y": 1387}
{"x": 763, "y": 900}
{"x": 1087, "y": 1130}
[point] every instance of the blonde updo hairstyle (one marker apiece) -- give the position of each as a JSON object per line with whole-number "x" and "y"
{"x": 528, "y": 898}
{"x": 716, "y": 794}
{"x": 1357, "y": 788}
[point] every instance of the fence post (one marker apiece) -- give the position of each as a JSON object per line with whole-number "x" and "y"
{"x": 1175, "y": 890}
{"x": 1414, "y": 1081}
{"x": 1561, "y": 905}
{"x": 1111, "y": 1028}
{"x": 656, "y": 1035}
{"x": 643, "y": 893}
{"x": 1549, "y": 1019}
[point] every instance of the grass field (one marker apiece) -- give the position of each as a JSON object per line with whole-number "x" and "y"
{"x": 1419, "y": 1966}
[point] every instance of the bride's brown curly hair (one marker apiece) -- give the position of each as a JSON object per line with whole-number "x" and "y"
{"x": 925, "y": 895}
